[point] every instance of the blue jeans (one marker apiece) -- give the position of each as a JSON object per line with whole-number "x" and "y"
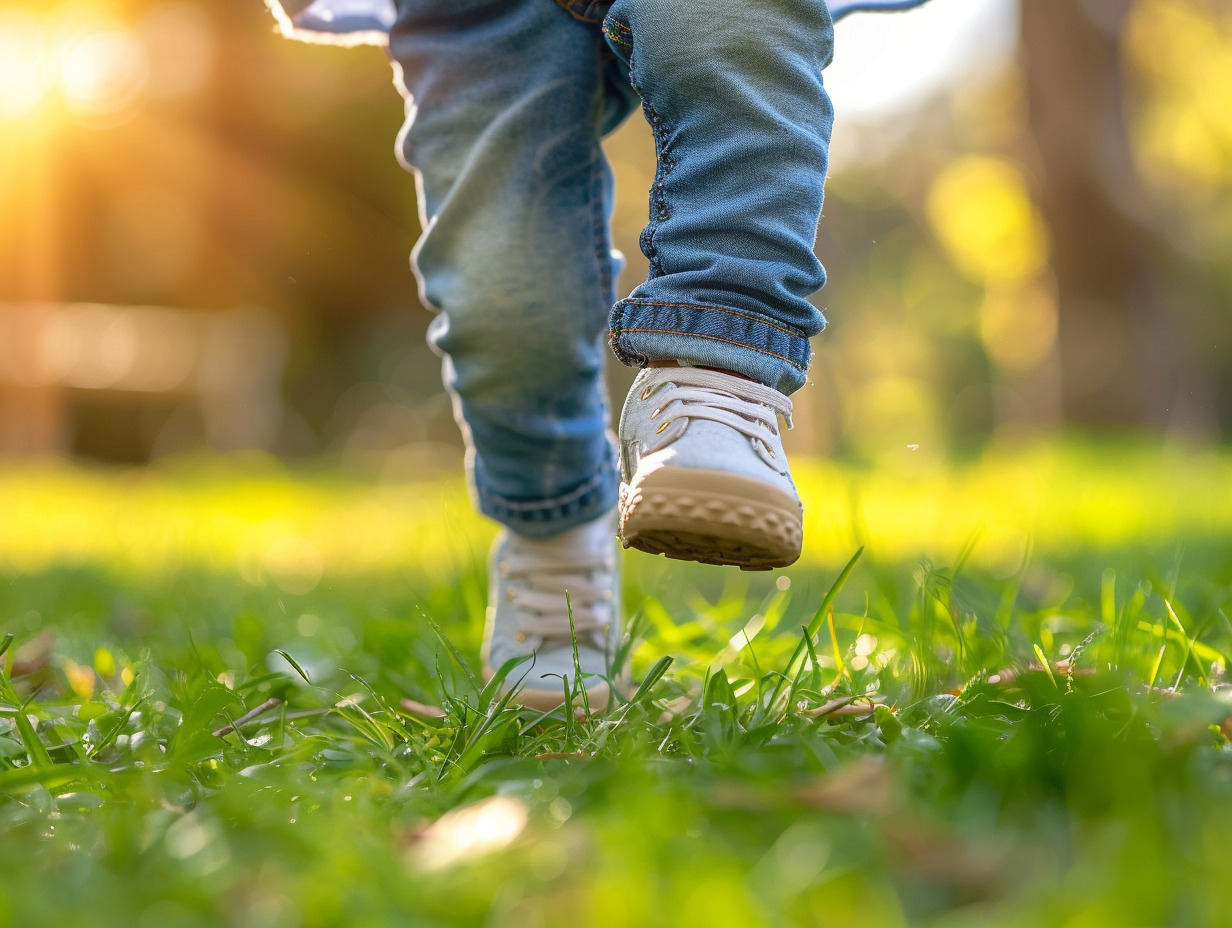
{"x": 506, "y": 103}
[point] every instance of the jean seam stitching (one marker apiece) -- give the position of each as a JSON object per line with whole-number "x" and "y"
{"x": 603, "y": 246}
{"x": 718, "y": 309}
{"x": 660, "y": 210}
{"x": 618, "y": 32}
{"x": 716, "y": 338}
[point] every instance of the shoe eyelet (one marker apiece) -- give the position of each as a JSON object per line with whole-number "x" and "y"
{"x": 607, "y": 596}
{"x": 646, "y": 393}
{"x": 521, "y": 636}
{"x": 503, "y": 568}
{"x": 511, "y": 595}
{"x": 660, "y": 429}
{"x": 607, "y": 628}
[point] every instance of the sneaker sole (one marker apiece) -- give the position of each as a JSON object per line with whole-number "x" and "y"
{"x": 597, "y": 694}
{"x": 714, "y": 517}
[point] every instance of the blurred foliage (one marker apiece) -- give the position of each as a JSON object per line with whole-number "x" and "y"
{"x": 1181, "y": 55}
{"x": 238, "y": 168}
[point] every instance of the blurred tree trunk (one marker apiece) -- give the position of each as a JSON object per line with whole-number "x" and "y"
{"x": 1122, "y": 358}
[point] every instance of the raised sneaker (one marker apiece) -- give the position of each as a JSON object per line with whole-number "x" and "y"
{"x": 528, "y": 612}
{"x": 703, "y": 473}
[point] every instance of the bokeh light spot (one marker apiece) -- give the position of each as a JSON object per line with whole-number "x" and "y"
{"x": 471, "y": 832}
{"x": 1019, "y": 329}
{"x": 295, "y": 565}
{"x": 26, "y": 74}
{"x": 103, "y": 72}
{"x": 981, "y": 211}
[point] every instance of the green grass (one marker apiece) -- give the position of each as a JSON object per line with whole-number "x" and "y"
{"x": 1014, "y": 712}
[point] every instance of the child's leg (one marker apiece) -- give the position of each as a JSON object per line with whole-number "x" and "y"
{"x": 733, "y": 92}
{"x": 506, "y": 100}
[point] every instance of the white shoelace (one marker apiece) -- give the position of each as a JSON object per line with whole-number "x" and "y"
{"x": 538, "y": 584}
{"x": 705, "y": 394}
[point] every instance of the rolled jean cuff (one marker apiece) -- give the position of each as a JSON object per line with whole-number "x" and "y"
{"x": 543, "y": 518}
{"x": 732, "y": 340}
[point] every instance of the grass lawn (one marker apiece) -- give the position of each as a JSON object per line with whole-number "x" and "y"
{"x": 218, "y": 704}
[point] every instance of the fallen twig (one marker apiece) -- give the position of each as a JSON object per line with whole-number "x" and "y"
{"x": 1062, "y": 667}
{"x": 249, "y": 716}
{"x": 423, "y": 710}
{"x": 844, "y": 706}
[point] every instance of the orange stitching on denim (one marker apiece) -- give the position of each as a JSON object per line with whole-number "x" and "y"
{"x": 719, "y": 309}
{"x": 715, "y": 338}
{"x": 618, "y": 32}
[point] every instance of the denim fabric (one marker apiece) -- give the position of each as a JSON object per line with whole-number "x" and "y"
{"x": 741, "y": 121}
{"x": 506, "y": 103}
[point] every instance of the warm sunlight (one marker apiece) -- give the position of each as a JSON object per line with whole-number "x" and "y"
{"x": 25, "y": 65}
{"x": 79, "y": 59}
{"x": 102, "y": 71}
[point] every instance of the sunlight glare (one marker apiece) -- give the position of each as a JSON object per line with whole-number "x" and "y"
{"x": 84, "y": 61}
{"x": 26, "y": 73}
{"x": 103, "y": 72}
{"x": 470, "y": 832}
{"x": 887, "y": 64}
{"x": 888, "y": 68}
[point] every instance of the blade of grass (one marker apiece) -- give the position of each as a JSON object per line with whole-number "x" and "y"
{"x": 1189, "y": 642}
{"x": 814, "y": 669}
{"x": 1107, "y": 597}
{"x": 489, "y": 725}
{"x": 814, "y": 626}
{"x": 1159, "y": 660}
{"x": 577, "y": 664}
{"x": 48, "y": 777}
{"x": 492, "y": 687}
{"x": 114, "y": 731}
{"x": 968, "y": 549}
{"x": 35, "y": 750}
{"x": 453, "y": 651}
{"x": 839, "y": 663}
{"x": 294, "y": 664}
{"x": 1203, "y": 651}
{"x": 653, "y": 676}
{"x": 381, "y": 701}
{"x": 1045, "y": 663}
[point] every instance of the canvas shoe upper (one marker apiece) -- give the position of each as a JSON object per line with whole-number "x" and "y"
{"x": 528, "y": 613}
{"x": 703, "y": 473}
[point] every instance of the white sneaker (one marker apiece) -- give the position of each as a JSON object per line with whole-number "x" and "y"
{"x": 528, "y": 613}
{"x": 703, "y": 473}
